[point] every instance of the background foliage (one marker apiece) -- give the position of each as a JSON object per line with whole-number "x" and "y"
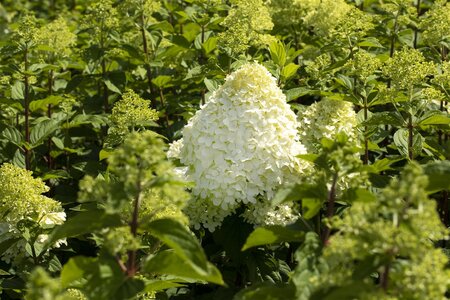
{"x": 91, "y": 93}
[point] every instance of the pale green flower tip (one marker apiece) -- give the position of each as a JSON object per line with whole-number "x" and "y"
{"x": 408, "y": 68}
{"x": 436, "y": 23}
{"x": 327, "y": 119}
{"x": 128, "y": 114}
{"x": 56, "y": 35}
{"x": 247, "y": 24}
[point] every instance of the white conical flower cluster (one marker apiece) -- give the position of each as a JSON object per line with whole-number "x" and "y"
{"x": 240, "y": 147}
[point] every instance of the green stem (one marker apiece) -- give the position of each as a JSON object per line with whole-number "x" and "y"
{"x": 27, "y": 152}
{"x": 330, "y": 208}
{"x": 201, "y": 61}
{"x": 384, "y": 277}
{"x": 416, "y": 30}
{"x": 49, "y": 114}
{"x": 366, "y": 140}
{"x": 134, "y": 224}
{"x": 103, "y": 65}
{"x": 444, "y": 201}
{"x": 147, "y": 61}
{"x": 410, "y": 138}
{"x": 392, "y": 46}
{"x": 163, "y": 106}
{"x": 105, "y": 88}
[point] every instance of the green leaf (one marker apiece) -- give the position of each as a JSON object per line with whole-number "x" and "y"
{"x": 406, "y": 37}
{"x": 382, "y": 165}
{"x": 104, "y": 154}
{"x": 161, "y": 81}
{"x": 55, "y": 174}
{"x": 99, "y": 278}
{"x": 58, "y": 142}
{"x": 181, "y": 41}
{"x": 41, "y": 131}
{"x": 180, "y": 239}
{"x": 357, "y": 194}
{"x": 354, "y": 290}
{"x": 82, "y": 223}
{"x": 436, "y": 119}
{"x": 210, "y": 44}
{"x": 18, "y": 90}
{"x": 309, "y": 157}
{"x": 19, "y": 158}
{"x": 272, "y": 235}
{"x": 211, "y": 84}
{"x": 310, "y": 264}
{"x": 345, "y": 81}
{"x": 385, "y": 118}
{"x": 54, "y": 265}
{"x": 438, "y": 173}
{"x": 111, "y": 86}
{"x": 401, "y": 141}
{"x": 289, "y": 70}
{"x": 295, "y": 93}
{"x": 128, "y": 289}
{"x": 370, "y": 42}
{"x": 43, "y": 104}
{"x": 311, "y": 206}
{"x": 278, "y": 53}
{"x": 417, "y": 143}
{"x": 6, "y": 244}
{"x": 159, "y": 285}
{"x": 4, "y": 273}
{"x": 301, "y": 191}
{"x": 267, "y": 291}
{"x": 73, "y": 271}
{"x": 13, "y": 135}
{"x": 168, "y": 262}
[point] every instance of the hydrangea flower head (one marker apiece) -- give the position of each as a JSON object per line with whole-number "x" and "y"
{"x": 246, "y": 25}
{"x": 408, "y": 68}
{"x": 240, "y": 146}
{"x": 57, "y": 35}
{"x": 436, "y": 23}
{"x": 21, "y": 200}
{"x": 326, "y": 119}
{"x": 129, "y": 113}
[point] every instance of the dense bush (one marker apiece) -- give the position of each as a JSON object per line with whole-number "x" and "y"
{"x": 224, "y": 149}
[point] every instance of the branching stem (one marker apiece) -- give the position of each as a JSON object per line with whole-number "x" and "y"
{"x": 330, "y": 208}
{"x": 27, "y": 152}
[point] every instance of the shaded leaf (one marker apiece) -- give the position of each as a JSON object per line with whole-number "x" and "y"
{"x": 168, "y": 262}
{"x": 43, "y": 104}
{"x": 180, "y": 239}
{"x": 41, "y": 131}
{"x": 82, "y": 223}
{"x": 267, "y": 291}
{"x": 13, "y": 135}
{"x": 272, "y": 235}
{"x": 438, "y": 173}
{"x": 111, "y": 86}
